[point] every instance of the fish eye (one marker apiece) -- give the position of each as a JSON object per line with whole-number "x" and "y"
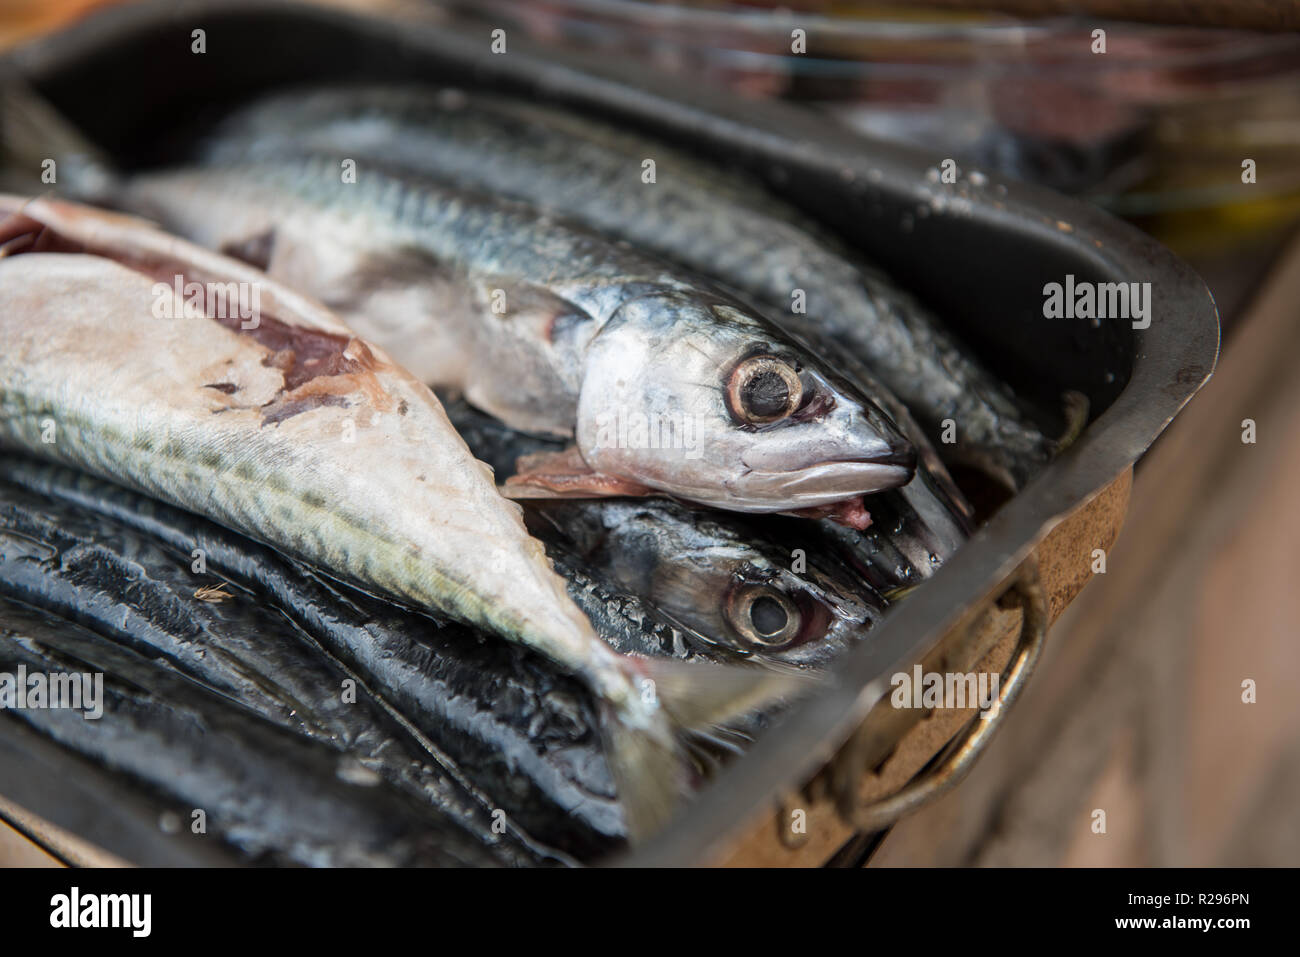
{"x": 763, "y": 389}
{"x": 764, "y": 616}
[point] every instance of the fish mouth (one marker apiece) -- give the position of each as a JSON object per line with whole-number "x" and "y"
{"x": 831, "y": 481}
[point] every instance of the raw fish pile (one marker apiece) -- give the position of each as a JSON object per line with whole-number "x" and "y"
{"x": 415, "y": 439}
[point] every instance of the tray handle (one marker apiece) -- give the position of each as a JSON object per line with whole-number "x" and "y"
{"x": 955, "y": 761}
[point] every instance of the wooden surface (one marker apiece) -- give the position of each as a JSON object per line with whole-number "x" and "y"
{"x": 17, "y": 851}
{"x": 28, "y": 841}
{"x": 1136, "y": 709}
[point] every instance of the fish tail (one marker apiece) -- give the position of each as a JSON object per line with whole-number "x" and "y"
{"x": 1076, "y": 406}
{"x": 648, "y": 772}
{"x": 42, "y": 150}
{"x": 646, "y": 736}
{"x": 1022, "y": 450}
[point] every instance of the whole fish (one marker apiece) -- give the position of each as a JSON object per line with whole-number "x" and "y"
{"x": 662, "y": 382}
{"x": 516, "y": 732}
{"x": 719, "y": 222}
{"x": 285, "y": 425}
{"x": 931, "y": 502}
{"x": 77, "y": 562}
{"x": 268, "y": 796}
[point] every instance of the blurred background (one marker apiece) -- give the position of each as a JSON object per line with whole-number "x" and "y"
{"x": 1190, "y": 129}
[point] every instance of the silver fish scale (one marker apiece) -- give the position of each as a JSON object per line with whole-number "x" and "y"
{"x": 483, "y": 236}
{"x": 246, "y": 490}
{"x": 719, "y": 222}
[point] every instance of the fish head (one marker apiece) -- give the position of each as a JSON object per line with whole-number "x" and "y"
{"x": 730, "y": 582}
{"x": 700, "y": 399}
{"x": 748, "y": 599}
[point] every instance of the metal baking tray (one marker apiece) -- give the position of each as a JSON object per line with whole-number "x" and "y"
{"x": 978, "y": 251}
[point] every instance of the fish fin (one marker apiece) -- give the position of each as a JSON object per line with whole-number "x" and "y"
{"x": 703, "y": 695}
{"x": 520, "y": 303}
{"x": 564, "y": 474}
{"x": 255, "y": 250}
{"x": 648, "y": 768}
{"x": 1024, "y": 451}
{"x": 901, "y": 592}
{"x": 19, "y": 233}
{"x": 1076, "y": 406}
{"x": 406, "y": 267}
{"x": 401, "y": 267}
{"x": 34, "y": 132}
{"x": 647, "y": 751}
{"x": 23, "y": 233}
{"x": 851, "y": 513}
